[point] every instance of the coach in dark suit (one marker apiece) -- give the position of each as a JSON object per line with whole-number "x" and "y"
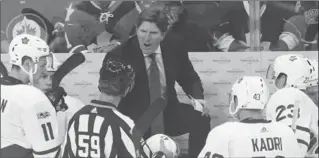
{"x": 159, "y": 61}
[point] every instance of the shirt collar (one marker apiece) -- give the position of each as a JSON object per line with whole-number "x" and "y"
{"x": 103, "y": 104}
{"x": 8, "y": 80}
{"x": 157, "y": 51}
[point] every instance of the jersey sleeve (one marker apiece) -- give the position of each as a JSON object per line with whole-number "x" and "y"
{"x": 216, "y": 145}
{"x": 292, "y": 143}
{"x": 41, "y": 129}
{"x": 314, "y": 121}
{"x": 294, "y": 30}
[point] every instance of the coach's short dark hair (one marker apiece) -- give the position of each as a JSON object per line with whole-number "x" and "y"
{"x": 154, "y": 15}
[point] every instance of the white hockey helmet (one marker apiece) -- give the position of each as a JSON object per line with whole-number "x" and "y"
{"x": 26, "y": 45}
{"x": 161, "y": 145}
{"x": 250, "y": 92}
{"x": 295, "y": 67}
{"x": 53, "y": 63}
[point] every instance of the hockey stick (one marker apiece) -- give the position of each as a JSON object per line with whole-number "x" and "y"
{"x": 67, "y": 66}
{"x": 146, "y": 120}
{"x": 295, "y": 116}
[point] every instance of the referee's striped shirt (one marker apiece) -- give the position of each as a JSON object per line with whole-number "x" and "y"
{"x": 99, "y": 131}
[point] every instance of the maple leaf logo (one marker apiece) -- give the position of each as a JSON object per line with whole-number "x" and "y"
{"x": 25, "y": 40}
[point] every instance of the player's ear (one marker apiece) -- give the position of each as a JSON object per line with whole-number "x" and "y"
{"x": 281, "y": 81}
{"x": 27, "y": 63}
{"x": 235, "y": 101}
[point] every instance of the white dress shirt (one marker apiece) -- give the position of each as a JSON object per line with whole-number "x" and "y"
{"x": 160, "y": 64}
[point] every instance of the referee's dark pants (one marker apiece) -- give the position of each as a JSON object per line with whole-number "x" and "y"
{"x": 181, "y": 119}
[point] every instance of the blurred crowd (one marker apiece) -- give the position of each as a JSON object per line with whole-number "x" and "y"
{"x": 211, "y": 26}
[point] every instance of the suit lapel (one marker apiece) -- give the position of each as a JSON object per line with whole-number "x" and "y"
{"x": 167, "y": 56}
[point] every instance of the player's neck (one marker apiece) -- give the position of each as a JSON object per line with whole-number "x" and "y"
{"x": 111, "y": 99}
{"x": 250, "y": 114}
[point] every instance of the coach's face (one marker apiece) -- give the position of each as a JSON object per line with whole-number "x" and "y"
{"x": 149, "y": 37}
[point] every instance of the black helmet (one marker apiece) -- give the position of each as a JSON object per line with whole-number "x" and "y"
{"x": 116, "y": 77}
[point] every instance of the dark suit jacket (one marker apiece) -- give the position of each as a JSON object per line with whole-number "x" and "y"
{"x": 177, "y": 68}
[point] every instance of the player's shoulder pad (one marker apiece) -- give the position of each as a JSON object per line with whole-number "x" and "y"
{"x": 30, "y": 95}
{"x": 289, "y": 91}
{"x": 223, "y": 130}
{"x": 283, "y": 128}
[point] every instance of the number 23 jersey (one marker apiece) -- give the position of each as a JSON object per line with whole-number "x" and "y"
{"x": 280, "y": 108}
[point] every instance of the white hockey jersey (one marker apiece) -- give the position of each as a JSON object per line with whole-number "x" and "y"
{"x": 280, "y": 108}
{"x": 251, "y": 138}
{"x": 29, "y": 124}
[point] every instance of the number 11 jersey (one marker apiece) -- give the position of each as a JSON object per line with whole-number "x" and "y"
{"x": 29, "y": 126}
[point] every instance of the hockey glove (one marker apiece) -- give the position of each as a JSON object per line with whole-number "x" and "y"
{"x": 56, "y": 97}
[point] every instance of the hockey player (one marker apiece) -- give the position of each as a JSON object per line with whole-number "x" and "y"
{"x": 160, "y": 146}
{"x": 290, "y": 104}
{"x": 99, "y": 129}
{"x": 252, "y": 136}
{"x": 312, "y": 92}
{"x": 29, "y": 125}
{"x": 69, "y": 106}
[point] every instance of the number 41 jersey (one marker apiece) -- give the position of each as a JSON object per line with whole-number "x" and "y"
{"x": 251, "y": 139}
{"x": 280, "y": 108}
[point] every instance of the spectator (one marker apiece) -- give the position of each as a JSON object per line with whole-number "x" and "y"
{"x": 195, "y": 38}
{"x": 233, "y": 32}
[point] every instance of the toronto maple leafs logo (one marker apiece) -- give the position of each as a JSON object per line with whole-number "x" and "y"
{"x": 25, "y": 40}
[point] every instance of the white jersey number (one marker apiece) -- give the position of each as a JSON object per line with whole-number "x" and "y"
{"x": 91, "y": 145}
